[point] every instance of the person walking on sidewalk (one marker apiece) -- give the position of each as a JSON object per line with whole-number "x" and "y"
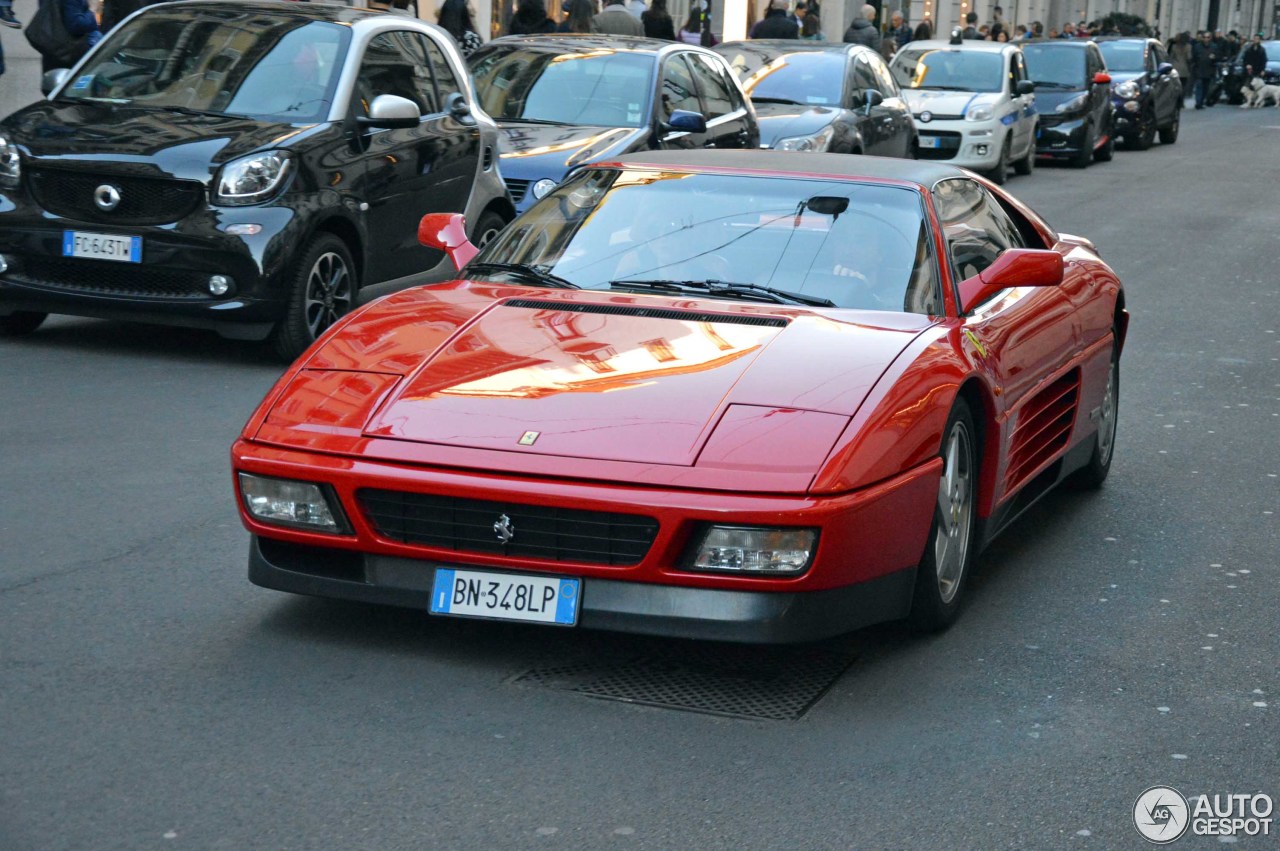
{"x": 1203, "y": 67}
{"x": 7, "y": 18}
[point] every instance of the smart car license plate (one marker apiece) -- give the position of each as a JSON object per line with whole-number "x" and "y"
{"x": 102, "y": 246}
{"x": 505, "y": 596}
{"x": 930, "y": 142}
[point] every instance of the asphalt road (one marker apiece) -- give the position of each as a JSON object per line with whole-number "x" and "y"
{"x": 150, "y": 697}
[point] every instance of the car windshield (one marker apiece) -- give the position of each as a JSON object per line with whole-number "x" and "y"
{"x": 1124, "y": 56}
{"x": 808, "y": 78}
{"x": 949, "y": 69}
{"x": 858, "y": 245}
{"x": 606, "y": 88}
{"x": 251, "y": 63}
{"x": 1273, "y": 50}
{"x": 1055, "y": 66}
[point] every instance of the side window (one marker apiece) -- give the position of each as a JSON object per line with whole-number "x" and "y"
{"x": 715, "y": 90}
{"x": 861, "y": 78}
{"x": 884, "y": 80}
{"x": 1159, "y": 54}
{"x": 678, "y": 89}
{"x": 1151, "y": 58}
{"x": 446, "y": 81}
{"x": 393, "y": 64}
{"x": 976, "y": 227}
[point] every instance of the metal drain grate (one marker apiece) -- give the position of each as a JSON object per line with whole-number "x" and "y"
{"x": 759, "y": 683}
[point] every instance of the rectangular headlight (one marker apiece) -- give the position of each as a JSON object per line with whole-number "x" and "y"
{"x": 756, "y": 550}
{"x": 283, "y": 502}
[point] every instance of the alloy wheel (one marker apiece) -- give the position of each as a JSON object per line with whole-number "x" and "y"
{"x": 328, "y": 292}
{"x": 955, "y": 509}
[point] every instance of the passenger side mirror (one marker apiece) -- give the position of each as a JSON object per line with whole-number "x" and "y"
{"x": 388, "y": 111}
{"x": 458, "y": 107}
{"x": 870, "y": 98}
{"x": 447, "y": 232}
{"x": 1014, "y": 267}
{"x": 52, "y": 79}
{"x": 1025, "y": 87}
{"x": 1102, "y": 78}
{"x": 1165, "y": 69}
{"x": 684, "y": 121}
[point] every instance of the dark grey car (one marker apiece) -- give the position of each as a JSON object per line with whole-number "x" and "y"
{"x": 823, "y": 97}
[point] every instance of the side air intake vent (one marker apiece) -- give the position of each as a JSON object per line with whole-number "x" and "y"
{"x": 648, "y": 312}
{"x": 488, "y": 157}
{"x": 1043, "y": 428}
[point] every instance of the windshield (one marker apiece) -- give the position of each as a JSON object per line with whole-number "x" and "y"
{"x": 254, "y": 64}
{"x": 811, "y": 78}
{"x": 1273, "y": 50}
{"x": 1052, "y": 66}
{"x": 949, "y": 69}
{"x": 859, "y": 245}
{"x": 1124, "y": 56}
{"x": 601, "y": 87}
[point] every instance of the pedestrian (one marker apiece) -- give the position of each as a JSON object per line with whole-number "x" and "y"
{"x": 691, "y": 32}
{"x": 1002, "y": 36}
{"x": 775, "y": 23}
{"x": 80, "y": 18}
{"x": 530, "y": 18}
{"x": 455, "y": 18}
{"x": 1254, "y": 58}
{"x": 1180, "y": 57}
{"x": 636, "y": 8}
{"x": 1203, "y": 67}
{"x": 811, "y": 28}
{"x": 578, "y": 17}
{"x": 899, "y": 30}
{"x": 862, "y": 31}
{"x": 798, "y": 13}
{"x": 8, "y": 19}
{"x": 1068, "y": 30}
{"x": 971, "y": 27}
{"x": 923, "y": 32}
{"x": 614, "y": 19}
{"x": 1020, "y": 33}
{"x": 657, "y": 21}
{"x": 997, "y": 16}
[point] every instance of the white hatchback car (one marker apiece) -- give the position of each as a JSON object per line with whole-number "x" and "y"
{"x": 973, "y": 103}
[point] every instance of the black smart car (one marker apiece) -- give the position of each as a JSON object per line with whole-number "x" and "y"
{"x": 1073, "y": 97}
{"x": 256, "y": 168}
{"x": 1145, "y": 89}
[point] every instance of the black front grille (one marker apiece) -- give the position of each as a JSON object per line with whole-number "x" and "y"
{"x": 517, "y": 188}
{"x": 108, "y": 278}
{"x": 948, "y": 142}
{"x": 468, "y": 525}
{"x": 143, "y": 200}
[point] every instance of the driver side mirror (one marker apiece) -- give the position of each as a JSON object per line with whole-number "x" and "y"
{"x": 1025, "y": 87}
{"x": 457, "y": 106}
{"x": 870, "y": 98}
{"x": 52, "y": 79}
{"x": 1102, "y": 78}
{"x": 447, "y": 232}
{"x": 684, "y": 121}
{"x": 1165, "y": 69}
{"x": 1014, "y": 267}
{"x": 391, "y": 111}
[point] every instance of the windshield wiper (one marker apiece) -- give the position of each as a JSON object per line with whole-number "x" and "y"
{"x": 946, "y": 88}
{"x": 537, "y": 121}
{"x": 1043, "y": 84}
{"x": 777, "y": 100}
{"x": 186, "y": 110}
{"x": 536, "y": 274}
{"x": 757, "y": 291}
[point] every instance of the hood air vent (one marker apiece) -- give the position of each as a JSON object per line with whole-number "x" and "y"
{"x": 648, "y": 312}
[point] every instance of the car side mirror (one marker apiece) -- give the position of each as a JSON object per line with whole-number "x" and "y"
{"x": 1165, "y": 69}
{"x": 1025, "y": 87}
{"x": 447, "y": 232}
{"x": 52, "y": 79}
{"x": 1102, "y": 78}
{"x": 870, "y": 98}
{"x": 684, "y": 121}
{"x": 1014, "y": 267}
{"x": 390, "y": 111}
{"x": 457, "y": 106}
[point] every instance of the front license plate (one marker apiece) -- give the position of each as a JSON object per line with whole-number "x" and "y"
{"x": 930, "y": 142}
{"x": 102, "y": 246}
{"x": 505, "y": 596}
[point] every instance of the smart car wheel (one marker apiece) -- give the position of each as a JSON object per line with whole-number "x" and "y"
{"x": 323, "y": 289}
{"x": 489, "y": 226}
{"x": 1085, "y": 155}
{"x": 1169, "y": 135}
{"x": 1142, "y": 140}
{"x": 1093, "y": 474}
{"x": 1000, "y": 173}
{"x": 948, "y": 551}
{"x": 21, "y": 322}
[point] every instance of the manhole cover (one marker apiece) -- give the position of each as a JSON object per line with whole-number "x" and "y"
{"x": 741, "y": 682}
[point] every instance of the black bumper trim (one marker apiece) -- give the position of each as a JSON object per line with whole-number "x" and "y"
{"x": 753, "y": 617}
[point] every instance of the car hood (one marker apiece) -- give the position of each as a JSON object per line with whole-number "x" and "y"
{"x": 648, "y": 380}
{"x": 1047, "y": 101}
{"x": 146, "y": 141}
{"x": 944, "y": 103}
{"x": 535, "y": 151}
{"x": 1118, "y": 77}
{"x": 783, "y": 120}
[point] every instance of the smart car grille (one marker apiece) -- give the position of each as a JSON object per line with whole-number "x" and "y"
{"x": 948, "y": 145}
{"x": 105, "y": 278}
{"x": 647, "y": 312}
{"x": 468, "y": 525}
{"x": 143, "y": 200}
{"x": 517, "y": 188}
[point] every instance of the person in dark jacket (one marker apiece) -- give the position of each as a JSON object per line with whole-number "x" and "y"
{"x": 657, "y": 21}
{"x": 530, "y": 18}
{"x": 971, "y": 28}
{"x": 899, "y": 31}
{"x": 1254, "y": 58}
{"x": 580, "y": 14}
{"x": 80, "y": 20}
{"x": 1203, "y": 66}
{"x": 776, "y": 23}
{"x": 862, "y": 31}
{"x": 614, "y": 19}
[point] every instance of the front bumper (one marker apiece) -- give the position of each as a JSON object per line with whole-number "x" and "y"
{"x": 967, "y": 144}
{"x": 1130, "y": 117}
{"x": 1061, "y": 139}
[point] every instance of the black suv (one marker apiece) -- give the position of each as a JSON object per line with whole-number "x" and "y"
{"x": 1146, "y": 90}
{"x": 256, "y": 168}
{"x": 1073, "y": 97}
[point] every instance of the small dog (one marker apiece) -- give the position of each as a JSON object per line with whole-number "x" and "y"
{"x": 1257, "y": 93}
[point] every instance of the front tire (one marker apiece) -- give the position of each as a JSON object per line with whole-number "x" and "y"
{"x": 1000, "y": 173}
{"x": 324, "y": 288}
{"x": 948, "y": 552}
{"x": 1027, "y": 164}
{"x": 1143, "y": 139}
{"x": 489, "y": 225}
{"x": 1085, "y": 155}
{"x": 21, "y": 322}
{"x": 1169, "y": 135}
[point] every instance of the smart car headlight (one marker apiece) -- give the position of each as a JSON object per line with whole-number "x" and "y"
{"x": 10, "y": 164}
{"x": 542, "y": 187}
{"x": 814, "y": 142}
{"x": 757, "y": 550}
{"x": 1127, "y": 90}
{"x": 981, "y": 112}
{"x": 1073, "y": 105}
{"x": 284, "y": 502}
{"x": 252, "y": 179}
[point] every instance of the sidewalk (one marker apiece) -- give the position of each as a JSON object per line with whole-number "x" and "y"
{"x": 20, "y": 83}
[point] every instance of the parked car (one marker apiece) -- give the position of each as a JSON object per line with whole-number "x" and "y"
{"x": 565, "y": 100}
{"x": 1145, "y": 89}
{"x": 1073, "y": 98}
{"x": 248, "y": 167}
{"x": 823, "y": 97}
{"x": 973, "y": 103}
{"x": 728, "y": 395}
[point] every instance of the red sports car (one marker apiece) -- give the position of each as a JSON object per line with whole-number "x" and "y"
{"x": 732, "y": 395}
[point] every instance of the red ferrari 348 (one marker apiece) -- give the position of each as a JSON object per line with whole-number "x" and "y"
{"x": 743, "y": 396}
